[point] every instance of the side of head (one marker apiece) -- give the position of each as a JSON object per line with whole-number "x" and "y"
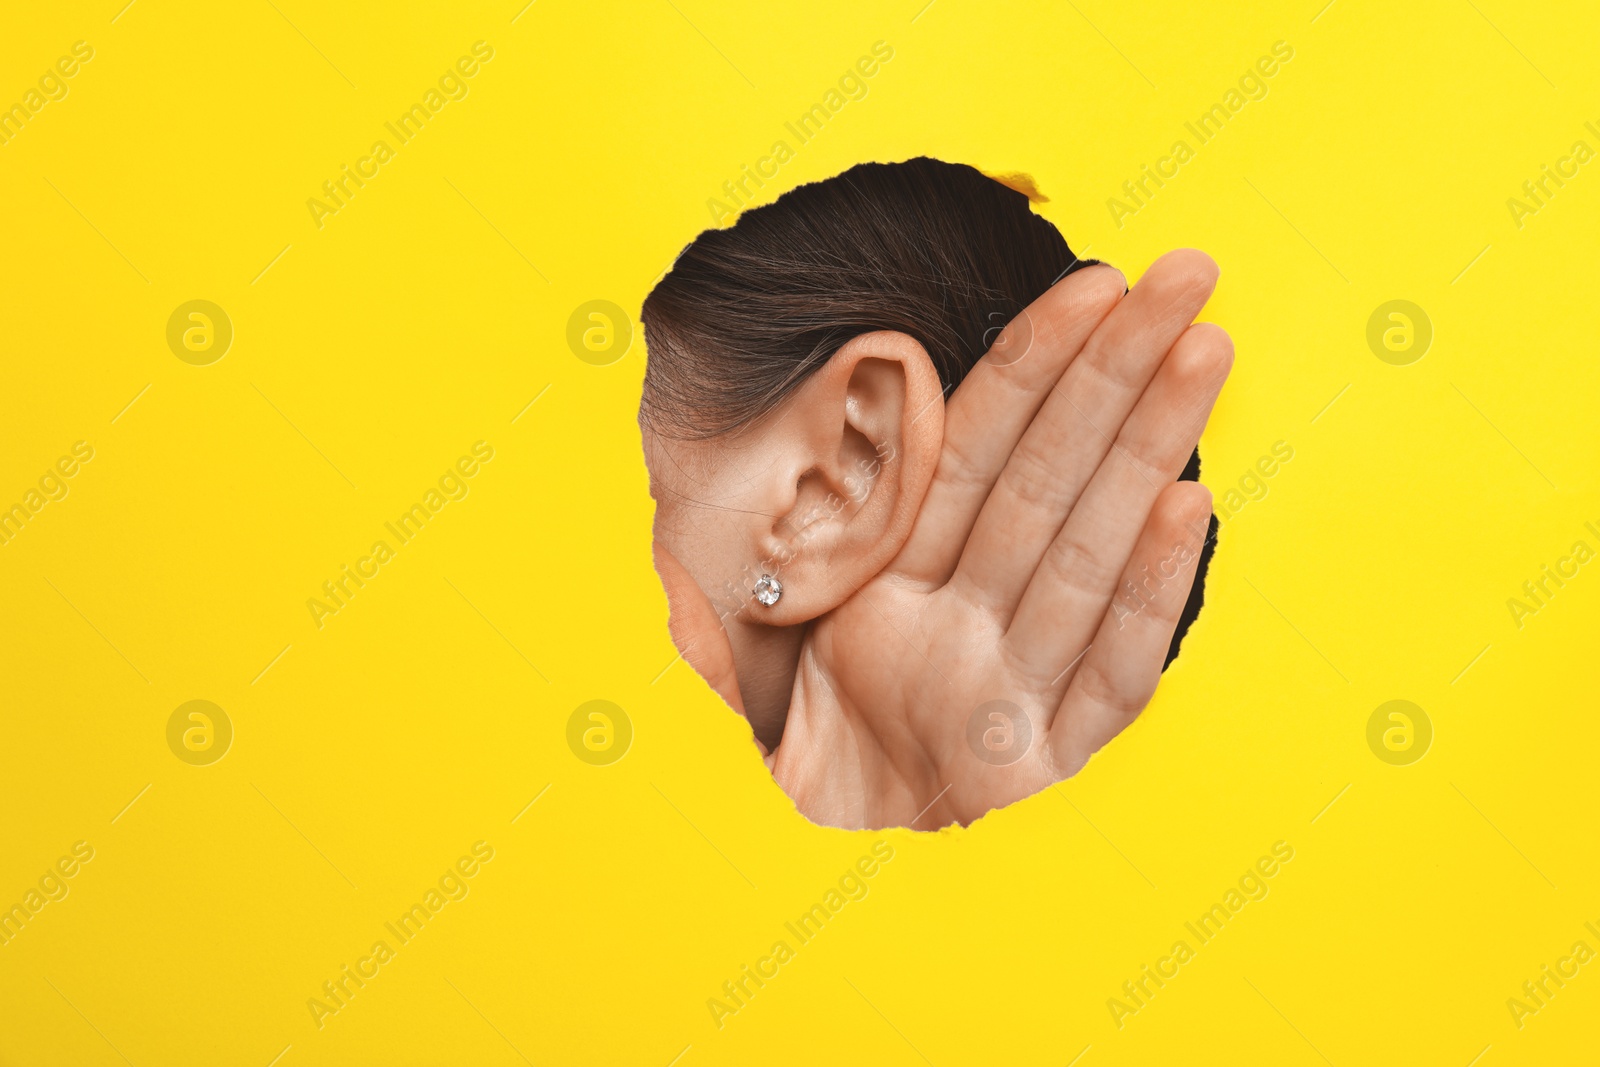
{"x": 798, "y": 361}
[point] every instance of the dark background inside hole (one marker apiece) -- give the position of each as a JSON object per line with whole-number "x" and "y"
{"x": 1197, "y": 595}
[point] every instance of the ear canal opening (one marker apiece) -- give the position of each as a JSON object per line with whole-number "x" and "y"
{"x": 1197, "y": 593}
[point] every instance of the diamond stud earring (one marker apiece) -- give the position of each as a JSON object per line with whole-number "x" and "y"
{"x": 768, "y": 589}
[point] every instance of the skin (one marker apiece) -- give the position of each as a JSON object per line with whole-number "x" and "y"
{"x": 1026, "y": 542}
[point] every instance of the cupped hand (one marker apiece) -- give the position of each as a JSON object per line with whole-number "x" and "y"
{"x": 1026, "y": 620}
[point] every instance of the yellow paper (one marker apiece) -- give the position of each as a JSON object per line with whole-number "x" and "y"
{"x": 348, "y": 357}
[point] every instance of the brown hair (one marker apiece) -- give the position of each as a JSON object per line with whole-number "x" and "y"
{"x": 935, "y": 250}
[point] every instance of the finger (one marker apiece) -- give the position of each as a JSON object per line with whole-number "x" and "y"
{"x": 1118, "y": 675}
{"x": 1074, "y": 583}
{"x": 991, "y": 410}
{"x": 1075, "y": 428}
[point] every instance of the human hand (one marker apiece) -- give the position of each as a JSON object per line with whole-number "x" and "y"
{"x": 1026, "y": 619}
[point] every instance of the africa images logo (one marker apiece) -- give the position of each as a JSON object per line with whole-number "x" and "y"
{"x": 452, "y": 85}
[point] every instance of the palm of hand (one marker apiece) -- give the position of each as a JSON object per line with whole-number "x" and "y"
{"x": 1026, "y": 619}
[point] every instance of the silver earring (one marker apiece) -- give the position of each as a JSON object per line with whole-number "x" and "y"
{"x": 768, "y": 589}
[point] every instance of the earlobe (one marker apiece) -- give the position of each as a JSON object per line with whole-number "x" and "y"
{"x": 862, "y": 438}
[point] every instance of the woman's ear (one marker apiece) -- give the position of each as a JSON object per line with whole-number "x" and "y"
{"x": 851, "y": 454}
